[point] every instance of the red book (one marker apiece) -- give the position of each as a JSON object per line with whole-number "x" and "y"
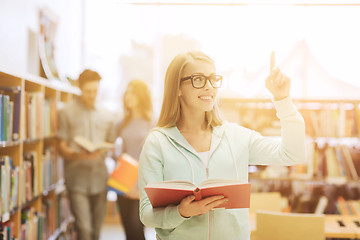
{"x": 166, "y": 193}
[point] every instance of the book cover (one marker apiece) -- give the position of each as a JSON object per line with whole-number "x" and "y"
{"x": 125, "y": 174}
{"x": 91, "y": 147}
{"x": 166, "y": 193}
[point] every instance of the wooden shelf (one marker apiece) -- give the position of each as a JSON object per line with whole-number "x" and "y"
{"x": 12, "y": 153}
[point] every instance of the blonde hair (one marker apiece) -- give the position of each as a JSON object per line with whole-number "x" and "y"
{"x": 144, "y": 102}
{"x": 170, "y": 110}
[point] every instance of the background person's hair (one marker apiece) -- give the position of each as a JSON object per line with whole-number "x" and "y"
{"x": 144, "y": 103}
{"x": 170, "y": 109}
{"x": 88, "y": 76}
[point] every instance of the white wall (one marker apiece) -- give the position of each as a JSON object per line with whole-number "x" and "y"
{"x": 17, "y": 17}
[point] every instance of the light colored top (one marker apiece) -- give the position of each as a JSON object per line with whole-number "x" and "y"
{"x": 133, "y": 136}
{"x": 97, "y": 126}
{"x": 204, "y": 157}
{"x": 167, "y": 155}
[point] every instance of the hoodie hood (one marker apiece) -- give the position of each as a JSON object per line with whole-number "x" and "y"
{"x": 174, "y": 134}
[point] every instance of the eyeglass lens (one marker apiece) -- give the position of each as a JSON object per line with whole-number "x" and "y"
{"x": 200, "y": 81}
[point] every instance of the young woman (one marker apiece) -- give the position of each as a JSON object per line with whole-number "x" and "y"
{"x": 192, "y": 143}
{"x": 133, "y": 129}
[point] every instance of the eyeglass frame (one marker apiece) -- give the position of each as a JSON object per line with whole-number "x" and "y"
{"x": 208, "y": 78}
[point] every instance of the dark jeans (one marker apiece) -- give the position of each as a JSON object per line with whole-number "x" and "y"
{"x": 129, "y": 213}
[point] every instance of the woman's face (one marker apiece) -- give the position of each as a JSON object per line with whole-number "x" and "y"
{"x": 197, "y": 99}
{"x": 130, "y": 99}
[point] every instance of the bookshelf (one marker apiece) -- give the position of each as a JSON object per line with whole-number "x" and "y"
{"x": 333, "y": 151}
{"x": 33, "y": 198}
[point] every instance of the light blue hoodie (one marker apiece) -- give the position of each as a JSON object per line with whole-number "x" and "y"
{"x": 167, "y": 155}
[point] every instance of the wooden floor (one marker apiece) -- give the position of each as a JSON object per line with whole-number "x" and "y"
{"x": 112, "y": 231}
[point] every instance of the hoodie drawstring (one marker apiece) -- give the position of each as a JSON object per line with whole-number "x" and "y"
{"x": 232, "y": 155}
{"x": 192, "y": 169}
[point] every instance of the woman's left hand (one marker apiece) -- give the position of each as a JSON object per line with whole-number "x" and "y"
{"x": 277, "y": 82}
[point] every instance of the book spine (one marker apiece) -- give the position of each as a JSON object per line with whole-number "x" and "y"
{"x": 5, "y": 117}
{"x": 197, "y": 194}
{"x": 16, "y": 120}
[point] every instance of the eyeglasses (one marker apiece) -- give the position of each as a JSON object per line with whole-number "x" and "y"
{"x": 199, "y": 80}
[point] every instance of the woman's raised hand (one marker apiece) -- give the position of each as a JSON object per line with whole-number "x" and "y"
{"x": 277, "y": 82}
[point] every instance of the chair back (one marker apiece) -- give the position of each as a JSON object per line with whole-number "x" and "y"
{"x": 289, "y": 226}
{"x": 270, "y": 201}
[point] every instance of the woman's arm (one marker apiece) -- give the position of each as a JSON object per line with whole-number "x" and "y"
{"x": 288, "y": 150}
{"x": 151, "y": 170}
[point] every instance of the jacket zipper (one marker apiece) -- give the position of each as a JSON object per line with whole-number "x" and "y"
{"x": 209, "y": 226}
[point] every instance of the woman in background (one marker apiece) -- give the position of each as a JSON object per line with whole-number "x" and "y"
{"x": 133, "y": 129}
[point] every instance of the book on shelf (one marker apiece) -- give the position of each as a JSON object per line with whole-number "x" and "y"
{"x": 7, "y": 230}
{"x": 124, "y": 177}
{"x": 349, "y": 161}
{"x": 321, "y": 205}
{"x": 166, "y": 193}
{"x": 8, "y": 184}
{"x": 342, "y": 207}
{"x": 34, "y": 115}
{"x": 31, "y": 171}
{"x": 90, "y": 146}
{"x": 12, "y": 97}
{"x": 4, "y": 118}
{"x": 50, "y": 117}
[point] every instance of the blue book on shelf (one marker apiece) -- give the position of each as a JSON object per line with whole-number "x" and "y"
{"x": 14, "y": 92}
{"x": 6, "y": 100}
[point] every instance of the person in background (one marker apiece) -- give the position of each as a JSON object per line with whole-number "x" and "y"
{"x": 133, "y": 130}
{"x": 192, "y": 143}
{"x": 85, "y": 172}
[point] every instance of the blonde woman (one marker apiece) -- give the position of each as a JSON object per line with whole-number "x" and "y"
{"x": 192, "y": 143}
{"x": 133, "y": 129}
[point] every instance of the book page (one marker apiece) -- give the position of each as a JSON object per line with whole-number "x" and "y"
{"x": 106, "y": 145}
{"x": 173, "y": 185}
{"x": 219, "y": 182}
{"x": 85, "y": 143}
{"x": 89, "y": 146}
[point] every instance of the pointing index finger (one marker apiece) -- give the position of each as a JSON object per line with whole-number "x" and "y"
{"x": 272, "y": 60}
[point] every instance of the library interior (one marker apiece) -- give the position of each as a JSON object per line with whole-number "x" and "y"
{"x": 46, "y": 45}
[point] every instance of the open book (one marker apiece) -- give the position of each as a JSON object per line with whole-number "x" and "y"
{"x": 165, "y": 193}
{"x": 91, "y": 147}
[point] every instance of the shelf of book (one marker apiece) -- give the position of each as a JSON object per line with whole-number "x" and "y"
{"x": 333, "y": 150}
{"x": 33, "y": 202}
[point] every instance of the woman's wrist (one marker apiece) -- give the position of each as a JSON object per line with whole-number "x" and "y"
{"x": 279, "y": 98}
